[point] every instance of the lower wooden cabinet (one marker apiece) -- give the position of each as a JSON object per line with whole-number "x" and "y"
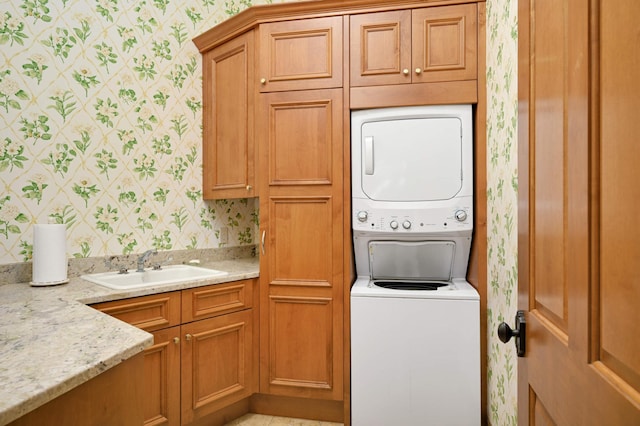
{"x": 194, "y": 368}
{"x": 216, "y": 363}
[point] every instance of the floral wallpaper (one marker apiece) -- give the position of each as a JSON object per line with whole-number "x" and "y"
{"x": 502, "y": 198}
{"x": 100, "y": 127}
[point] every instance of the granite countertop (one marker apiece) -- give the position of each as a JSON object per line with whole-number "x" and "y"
{"x": 51, "y": 341}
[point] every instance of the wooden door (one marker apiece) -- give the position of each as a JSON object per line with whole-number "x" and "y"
{"x": 579, "y": 191}
{"x": 380, "y": 48}
{"x": 301, "y": 276}
{"x": 216, "y": 363}
{"x": 444, "y": 43}
{"x": 303, "y": 54}
{"x": 161, "y": 397}
{"x": 228, "y": 145}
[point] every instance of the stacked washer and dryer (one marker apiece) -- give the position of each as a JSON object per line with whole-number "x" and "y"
{"x": 415, "y": 321}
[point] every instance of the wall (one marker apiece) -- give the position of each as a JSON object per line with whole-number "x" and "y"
{"x": 502, "y": 198}
{"x": 100, "y": 127}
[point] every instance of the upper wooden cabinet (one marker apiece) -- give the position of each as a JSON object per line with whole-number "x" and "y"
{"x": 228, "y": 94}
{"x": 302, "y": 54}
{"x": 414, "y": 46}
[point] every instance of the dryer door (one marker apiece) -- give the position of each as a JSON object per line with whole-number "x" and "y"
{"x": 412, "y": 159}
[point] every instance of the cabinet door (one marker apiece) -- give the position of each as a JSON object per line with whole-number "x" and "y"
{"x": 162, "y": 379}
{"x": 228, "y": 97}
{"x": 301, "y": 271}
{"x": 381, "y": 48}
{"x": 304, "y": 54}
{"x": 216, "y": 363}
{"x": 444, "y": 43}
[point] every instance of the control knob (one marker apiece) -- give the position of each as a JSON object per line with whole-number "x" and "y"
{"x": 394, "y": 224}
{"x": 461, "y": 215}
{"x": 362, "y": 216}
{"x": 406, "y": 224}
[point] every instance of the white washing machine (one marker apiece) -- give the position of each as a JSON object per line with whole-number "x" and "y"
{"x": 415, "y": 355}
{"x": 415, "y": 321}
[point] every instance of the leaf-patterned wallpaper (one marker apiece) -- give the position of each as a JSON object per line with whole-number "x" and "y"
{"x": 100, "y": 129}
{"x": 502, "y": 198}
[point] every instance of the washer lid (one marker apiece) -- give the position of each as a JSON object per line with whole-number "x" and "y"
{"x": 411, "y": 260}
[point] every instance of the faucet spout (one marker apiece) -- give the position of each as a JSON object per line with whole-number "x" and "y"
{"x": 143, "y": 258}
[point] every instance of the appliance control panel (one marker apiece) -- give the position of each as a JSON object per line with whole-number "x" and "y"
{"x": 445, "y": 218}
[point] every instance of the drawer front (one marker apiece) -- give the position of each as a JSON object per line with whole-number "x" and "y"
{"x": 214, "y": 300}
{"x": 148, "y": 312}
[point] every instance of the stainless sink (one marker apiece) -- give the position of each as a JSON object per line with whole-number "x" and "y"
{"x": 173, "y": 274}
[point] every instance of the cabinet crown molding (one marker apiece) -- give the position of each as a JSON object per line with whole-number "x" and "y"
{"x": 255, "y": 15}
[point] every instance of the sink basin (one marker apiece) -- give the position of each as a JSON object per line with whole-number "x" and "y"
{"x": 173, "y": 274}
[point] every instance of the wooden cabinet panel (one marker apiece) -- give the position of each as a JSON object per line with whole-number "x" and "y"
{"x": 216, "y": 363}
{"x": 302, "y": 359}
{"x": 228, "y": 145}
{"x": 301, "y": 241}
{"x": 444, "y": 43}
{"x": 206, "y": 302}
{"x": 298, "y": 133}
{"x": 162, "y": 379}
{"x": 381, "y": 48}
{"x": 147, "y": 312}
{"x": 433, "y": 44}
{"x": 304, "y": 54}
{"x": 301, "y": 275}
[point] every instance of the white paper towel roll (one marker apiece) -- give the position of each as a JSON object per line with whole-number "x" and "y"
{"x": 49, "y": 255}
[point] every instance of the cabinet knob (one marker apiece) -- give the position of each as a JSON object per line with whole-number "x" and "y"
{"x": 176, "y": 340}
{"x": 405, "y": 71}
{"x": 418, "y": 71}
{"x": 263, "y": 81}
{"x": 249, "y": 187}
{"x": 188, "y": 337}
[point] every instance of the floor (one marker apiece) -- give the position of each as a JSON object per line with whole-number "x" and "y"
{"x": 251, "y": 419}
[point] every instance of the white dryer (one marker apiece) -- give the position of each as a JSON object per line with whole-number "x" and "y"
{"x": 415, "y": 333}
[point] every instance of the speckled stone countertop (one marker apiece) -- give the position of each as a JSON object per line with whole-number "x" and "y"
{"x": 51, "y": 341}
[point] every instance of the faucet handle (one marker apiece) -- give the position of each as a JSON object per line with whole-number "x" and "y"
{"x": 157, "y": 266}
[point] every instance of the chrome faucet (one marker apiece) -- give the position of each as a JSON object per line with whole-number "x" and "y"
{"x": 143, "y": 258}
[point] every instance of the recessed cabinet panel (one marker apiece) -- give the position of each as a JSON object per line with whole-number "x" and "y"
{"x": 288, "y": 341}
{"x": 444, "y": 43}
{"x": 305, "y": 54}
{"x": 381, "y": 48}
{"x": 147, "y": 312}
{"x": 228, "y": 157}
{"x": 206, "y": 302}
{"x": 301, "y": 128}
{"x": 216, "y": 360}
{"x": 301, "y": 229}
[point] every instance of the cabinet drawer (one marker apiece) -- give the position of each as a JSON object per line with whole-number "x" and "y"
{"x": 210, "y": 301}
{"x": 148, "y": 312}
